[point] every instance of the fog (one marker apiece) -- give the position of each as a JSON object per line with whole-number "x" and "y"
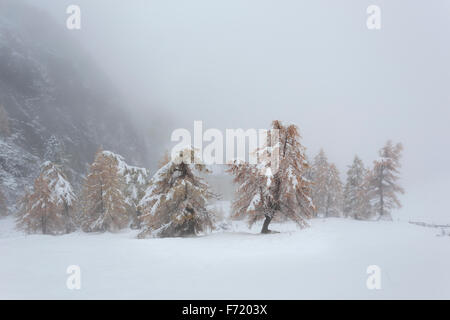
{"x": 242, "y": 64}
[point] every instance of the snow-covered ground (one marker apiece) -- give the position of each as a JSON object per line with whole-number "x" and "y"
{"x": 327, "y": 260}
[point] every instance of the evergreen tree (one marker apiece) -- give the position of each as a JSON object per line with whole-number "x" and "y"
{"x": 356, "y": 204}
{"x": 327, "y": 187}
{"x": 319, "y": 174}
{"x": 48, "y": 209}
{"x": 333, "y": 206}
{"x": 383, "y": 181}
{"x": 136, "y": 180}
{"x": 104, "y": 205}
{"x": 175, "y": 202}
{"x": 277, "y": 184}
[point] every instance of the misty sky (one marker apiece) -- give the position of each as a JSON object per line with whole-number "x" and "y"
{"x": 243, "y": 63}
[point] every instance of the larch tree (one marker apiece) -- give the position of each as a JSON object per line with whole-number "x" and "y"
{"x": 276, "y": 185}
{"x": 319, "y": 173}
{"x": 48, "y": 208}
{"x": 309, "y": 170}
{"x": 356, "y": 202}
{"x": 382, "y": 182}
{"x": 135, "y": 182}
{"x": 164, "y": 160}
{"x": 175, "y": 202}
{"x": 327, "y": 187}
{"x": 104, "y": 204}
{"x": 251, "y": 193}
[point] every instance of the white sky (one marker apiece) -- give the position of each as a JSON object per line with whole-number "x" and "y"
{"x": 243, "y": 63}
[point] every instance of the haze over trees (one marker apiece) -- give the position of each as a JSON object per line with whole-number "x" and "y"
{"x": 368, "y": 193}
{"x": 55, "y": 151}
{"x": 51, "y": 89}
{"x": 356, "y": 201}
{"x": 383, "y": 187}
{"x": 327, "y": 187}
{"x": 174, "y": 202}
{"x": 57, "y": 105}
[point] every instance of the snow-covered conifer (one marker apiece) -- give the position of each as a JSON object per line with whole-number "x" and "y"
{"x": 48, "y": 209}
{"x": 277, "y": 184}
{"x": 175, "y": 203}
{"x": 333, "y": 206}
{"x": 356, "y": 204}
{"x": 383, "y": 181}
{"x": 327, "y": 187}
{"x": 319, "y": 174}
{"x": 251, "y": 193}
{"x": 135, "y": 179}
{"x": 104, "y": 204}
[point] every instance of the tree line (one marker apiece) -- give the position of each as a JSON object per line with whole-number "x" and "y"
{"x": 174, "y": 201}
{"x": 368, "y": 193}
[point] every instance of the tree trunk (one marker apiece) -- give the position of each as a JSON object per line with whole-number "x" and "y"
{"x": 265, "y": 227}
{"x": 66, "y": 217}
{"x": 381, "y": 205}
{"x": 44, "y": 224}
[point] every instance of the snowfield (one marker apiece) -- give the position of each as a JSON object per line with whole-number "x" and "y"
{"x": 328, "y": 260}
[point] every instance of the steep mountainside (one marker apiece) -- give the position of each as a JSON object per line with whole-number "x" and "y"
{"x": 49, "y": 87}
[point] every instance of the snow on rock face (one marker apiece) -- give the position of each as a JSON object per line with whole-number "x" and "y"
{"x": 17, "y": 170}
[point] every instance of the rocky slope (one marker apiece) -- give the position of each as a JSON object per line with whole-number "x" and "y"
{"x": 49, "y": 87}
